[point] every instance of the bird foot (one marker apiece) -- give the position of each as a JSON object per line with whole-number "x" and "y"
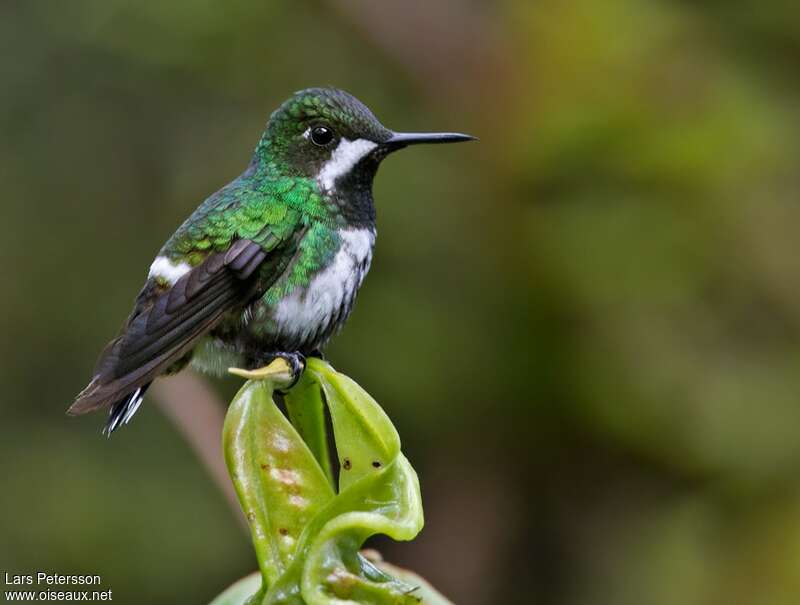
{"x": 283, "y": 370}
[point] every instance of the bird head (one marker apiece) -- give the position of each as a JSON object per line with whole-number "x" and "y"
{"x": 329, "y": 135}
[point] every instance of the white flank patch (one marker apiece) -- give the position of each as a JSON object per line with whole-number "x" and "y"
{"x": 346, "y": 155}
{"x": 306, "y": 309}
{"x": 165, "y": 269}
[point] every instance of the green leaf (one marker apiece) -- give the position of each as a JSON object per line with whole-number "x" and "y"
{"x": 366, "y": 440}
{"x": 239, "y": 592}
{"x": 279, "y": 483}
{"x": 306, "y": 410}
{"x": 386, "y": 502}
{"x": 428, "y": 594}
{"x": 307, "y": 538}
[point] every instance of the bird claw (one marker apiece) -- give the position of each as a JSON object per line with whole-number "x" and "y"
{"x": 283, "y": 371}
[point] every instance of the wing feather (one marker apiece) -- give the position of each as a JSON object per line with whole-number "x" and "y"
{"x": 165, "y": 325}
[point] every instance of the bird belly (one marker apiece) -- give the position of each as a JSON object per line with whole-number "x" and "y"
{"x": 309, "y": 314}
{"x": 302, "y": 320}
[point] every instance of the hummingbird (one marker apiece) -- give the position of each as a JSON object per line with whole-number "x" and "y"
{"x": 266, "y": 267}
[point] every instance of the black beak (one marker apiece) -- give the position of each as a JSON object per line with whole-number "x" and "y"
{"x": 398, "y": 140}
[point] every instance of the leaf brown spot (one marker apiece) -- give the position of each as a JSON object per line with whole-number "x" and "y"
{"x": 376, "y": 463}
{"x": 346, "y": 464}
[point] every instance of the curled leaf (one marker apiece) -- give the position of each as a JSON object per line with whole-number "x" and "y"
{"x": 307, "y": 538}
{"x": 279, "y": 483}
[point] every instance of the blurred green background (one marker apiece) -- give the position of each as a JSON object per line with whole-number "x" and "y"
{"x": 585, "y": 326}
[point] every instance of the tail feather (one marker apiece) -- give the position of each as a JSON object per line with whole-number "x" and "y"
{"x": 122, "y": 411}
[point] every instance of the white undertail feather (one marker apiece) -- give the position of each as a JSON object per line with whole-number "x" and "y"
{"x": 121, "y": 413}
{"x": 165, "y": 269}
{"x": 346, "y": 155}
{"x": 136, "y": 401}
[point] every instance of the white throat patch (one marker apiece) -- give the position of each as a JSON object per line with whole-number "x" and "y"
{"x": 346, "y": 155}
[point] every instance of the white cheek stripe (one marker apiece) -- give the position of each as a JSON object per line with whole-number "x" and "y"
{"x": 346, "y": 155}
{"x": 165, "y": 269}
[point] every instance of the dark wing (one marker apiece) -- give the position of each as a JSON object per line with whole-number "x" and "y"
{"x": 166, "y": 324}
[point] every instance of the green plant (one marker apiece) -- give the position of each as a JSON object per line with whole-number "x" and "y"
{"x": 307, "y": 533}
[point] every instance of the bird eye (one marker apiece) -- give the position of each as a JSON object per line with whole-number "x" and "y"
{"x": 321, "y": 135}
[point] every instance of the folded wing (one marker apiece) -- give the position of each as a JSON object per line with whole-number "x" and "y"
{"x": 167, "y": 323}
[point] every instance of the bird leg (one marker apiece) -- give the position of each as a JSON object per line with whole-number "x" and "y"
{"x": 282, "y": 368}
